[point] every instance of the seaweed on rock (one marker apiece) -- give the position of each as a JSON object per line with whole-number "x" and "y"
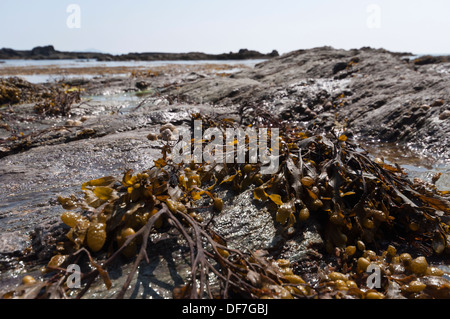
{"x": 49, "y": 100}
{"x": 359, "y": 201}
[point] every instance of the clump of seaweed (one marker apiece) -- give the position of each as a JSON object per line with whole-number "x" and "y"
{"x": 59, "y": 104}
{"x": 8, "y": 93}
{"x": 50, "y": 100}
{"x": 359, "y": 201}
{"x": 15, "y": 90}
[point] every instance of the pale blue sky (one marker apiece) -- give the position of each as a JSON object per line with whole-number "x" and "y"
{"x": 215, "y": 26}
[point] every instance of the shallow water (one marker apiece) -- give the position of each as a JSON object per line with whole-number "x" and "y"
{"x": 95, "y": 63}
{"x": 125, "y": 102}
{"x": 59, "y": 66}
{"x": 42, "y": 78}
{"x": 416, "y": 164}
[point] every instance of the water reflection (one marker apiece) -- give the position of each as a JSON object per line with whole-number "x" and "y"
{"x": 416, "y": 164}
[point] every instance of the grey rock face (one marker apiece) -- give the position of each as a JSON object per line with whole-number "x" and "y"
{"x": 376, "y": 93}
{"x": 12, "y": 242}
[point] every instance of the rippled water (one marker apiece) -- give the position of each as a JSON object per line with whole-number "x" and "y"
{"x": 112, "y": 64}
{"x": 63, "y": 64}
{"x": 416, "y": 164}
{"x": 42, "y": 78}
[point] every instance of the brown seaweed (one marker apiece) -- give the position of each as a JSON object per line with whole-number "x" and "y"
{"x": 359, "y": 202}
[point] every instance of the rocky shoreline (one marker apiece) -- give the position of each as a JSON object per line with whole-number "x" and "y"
{"x": 49, "y": 53}
{"x": 370, "y": 94}
{"x": 376, "y": 94}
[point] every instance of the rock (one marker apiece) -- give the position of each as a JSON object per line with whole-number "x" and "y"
{"x": 166, "y": 135}
{"x": 193, "y": 76}
{"x": 44, "y": 238}
{"x": 380, "y": 102}
{"x": 305, "y": 244}
{"x": 73, "y": 123}
{"x": 438, "y": 102}
{"x": 152, "y": 137}
{"x": 168, "y": 267}
{"x": 444, "y": 115}
{"x": 339, "y": 67}
{"x": 274, "y": 54}
{"x": 246, "y": 224}
{"x": 12, "y": 243}
{"x": 429, "y": 59}
{"x": 328, "y": 105}
{"x": 46, "y": 51}
{"x": 142, "y": 85}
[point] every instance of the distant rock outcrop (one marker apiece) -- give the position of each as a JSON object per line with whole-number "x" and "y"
{"x": 49, "y": 52}
{"x": 46, "y": 51}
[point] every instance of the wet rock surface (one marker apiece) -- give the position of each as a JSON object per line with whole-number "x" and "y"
{"x": 375, "y": 94}
{"x": 12, "y": 242}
